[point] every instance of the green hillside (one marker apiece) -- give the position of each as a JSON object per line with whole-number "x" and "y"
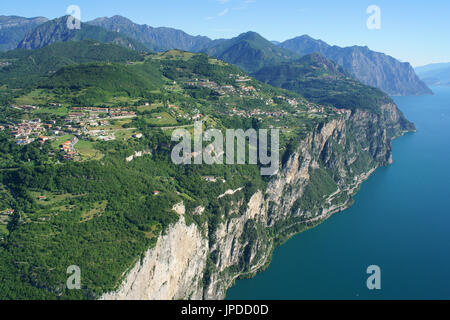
{"x": 322, "y": 81}
{"x": 250, "y": 52}
{"x": 25, "y": 68}
{"x": 96, "y": 82}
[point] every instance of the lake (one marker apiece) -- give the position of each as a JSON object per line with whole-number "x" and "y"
{"x": 400, "y": 222}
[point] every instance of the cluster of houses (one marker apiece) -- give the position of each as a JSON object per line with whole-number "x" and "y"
{"x": 90, "y": 109}
{"x": 122, "y": 114}
{"x": 258, "y": 112}
{"x": 248, "y": 89}
{"x": 291, "y": 102}
{"x": 68, "y": 148}
{"x": 26, "y": 132}
{"x": 318, "y": 109}
{"x": 82, "y": 114}
{"x": 78, "y": 122}
{"x": 239, "y": 78}
{"x": 206, "y": 83}
{"x": 80, "y": 119}
{"x": 195, "y": 115}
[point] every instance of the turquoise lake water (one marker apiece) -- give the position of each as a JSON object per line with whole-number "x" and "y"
{"x": 400, "y": 221}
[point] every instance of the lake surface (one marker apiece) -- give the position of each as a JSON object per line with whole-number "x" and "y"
{"x": 400, "y": 221}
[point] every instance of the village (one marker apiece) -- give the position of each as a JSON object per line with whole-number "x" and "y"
{"x": 80, "y": 123}
{"x": 94, "y": 123}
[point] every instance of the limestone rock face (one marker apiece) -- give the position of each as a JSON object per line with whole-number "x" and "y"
{"x": 172, "y": 270}
{"x": 189, "y": 264}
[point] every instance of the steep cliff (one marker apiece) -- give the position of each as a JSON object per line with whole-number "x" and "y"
{"x": 14, "y": 28}
{"x": 371, "y": 68}
{"x": 173, "y": 269}
{"x": 158, "y": 39}
{"x": 57, "y": 30}
{"x": 316, "y": 181}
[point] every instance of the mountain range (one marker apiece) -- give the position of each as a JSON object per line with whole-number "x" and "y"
{"x": 13, "y": 29}
{"x": 249, "y": 51}
{"x": 157, "y": 39}
{"x": 437, "y": 74}
{"x": 372, "y": 68}
{"x": 322, "y": 81}
{"x": 57, "y": 30}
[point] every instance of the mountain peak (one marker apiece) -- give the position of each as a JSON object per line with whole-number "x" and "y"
{"x": 253, "y": 36}
{"x": 117, "y": 19}
{"x": 250, "y": 51}
{"x": 158, "y": 39}
{"x": 56, "y": 30}
{"x": 370, "y": 67}
{"x": 306, "y": 37}
{"x": 14, "y": 28}
{"x": 250, "y": 35}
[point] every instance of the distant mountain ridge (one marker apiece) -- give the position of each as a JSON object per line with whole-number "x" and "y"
{"x": 13, "y": 29}
{"x": 370, "y": 67}
{"x": 320, "y": 80}
{"x": 158, "y": 39}
{"x": 249, "y": 51}
{"x": 437, "y": 74}
{"x": 57, "y": 31}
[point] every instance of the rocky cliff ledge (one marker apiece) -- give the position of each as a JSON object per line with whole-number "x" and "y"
{"x": 316, "y": 181}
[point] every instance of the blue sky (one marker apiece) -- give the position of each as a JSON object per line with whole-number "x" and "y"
{"x": 416, "y": 31}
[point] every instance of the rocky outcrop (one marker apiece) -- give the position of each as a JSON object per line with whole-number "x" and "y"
{"x": 316, "y": 181}
{"x": 234, "y": 253}
{"x": 173, "y": 269}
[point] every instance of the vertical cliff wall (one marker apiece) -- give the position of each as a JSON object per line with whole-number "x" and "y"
{"x": 173, "y": 269}
{"x": 316, "y": 181}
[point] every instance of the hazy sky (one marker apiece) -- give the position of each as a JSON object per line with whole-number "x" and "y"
{"x": 416, "y": 31}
